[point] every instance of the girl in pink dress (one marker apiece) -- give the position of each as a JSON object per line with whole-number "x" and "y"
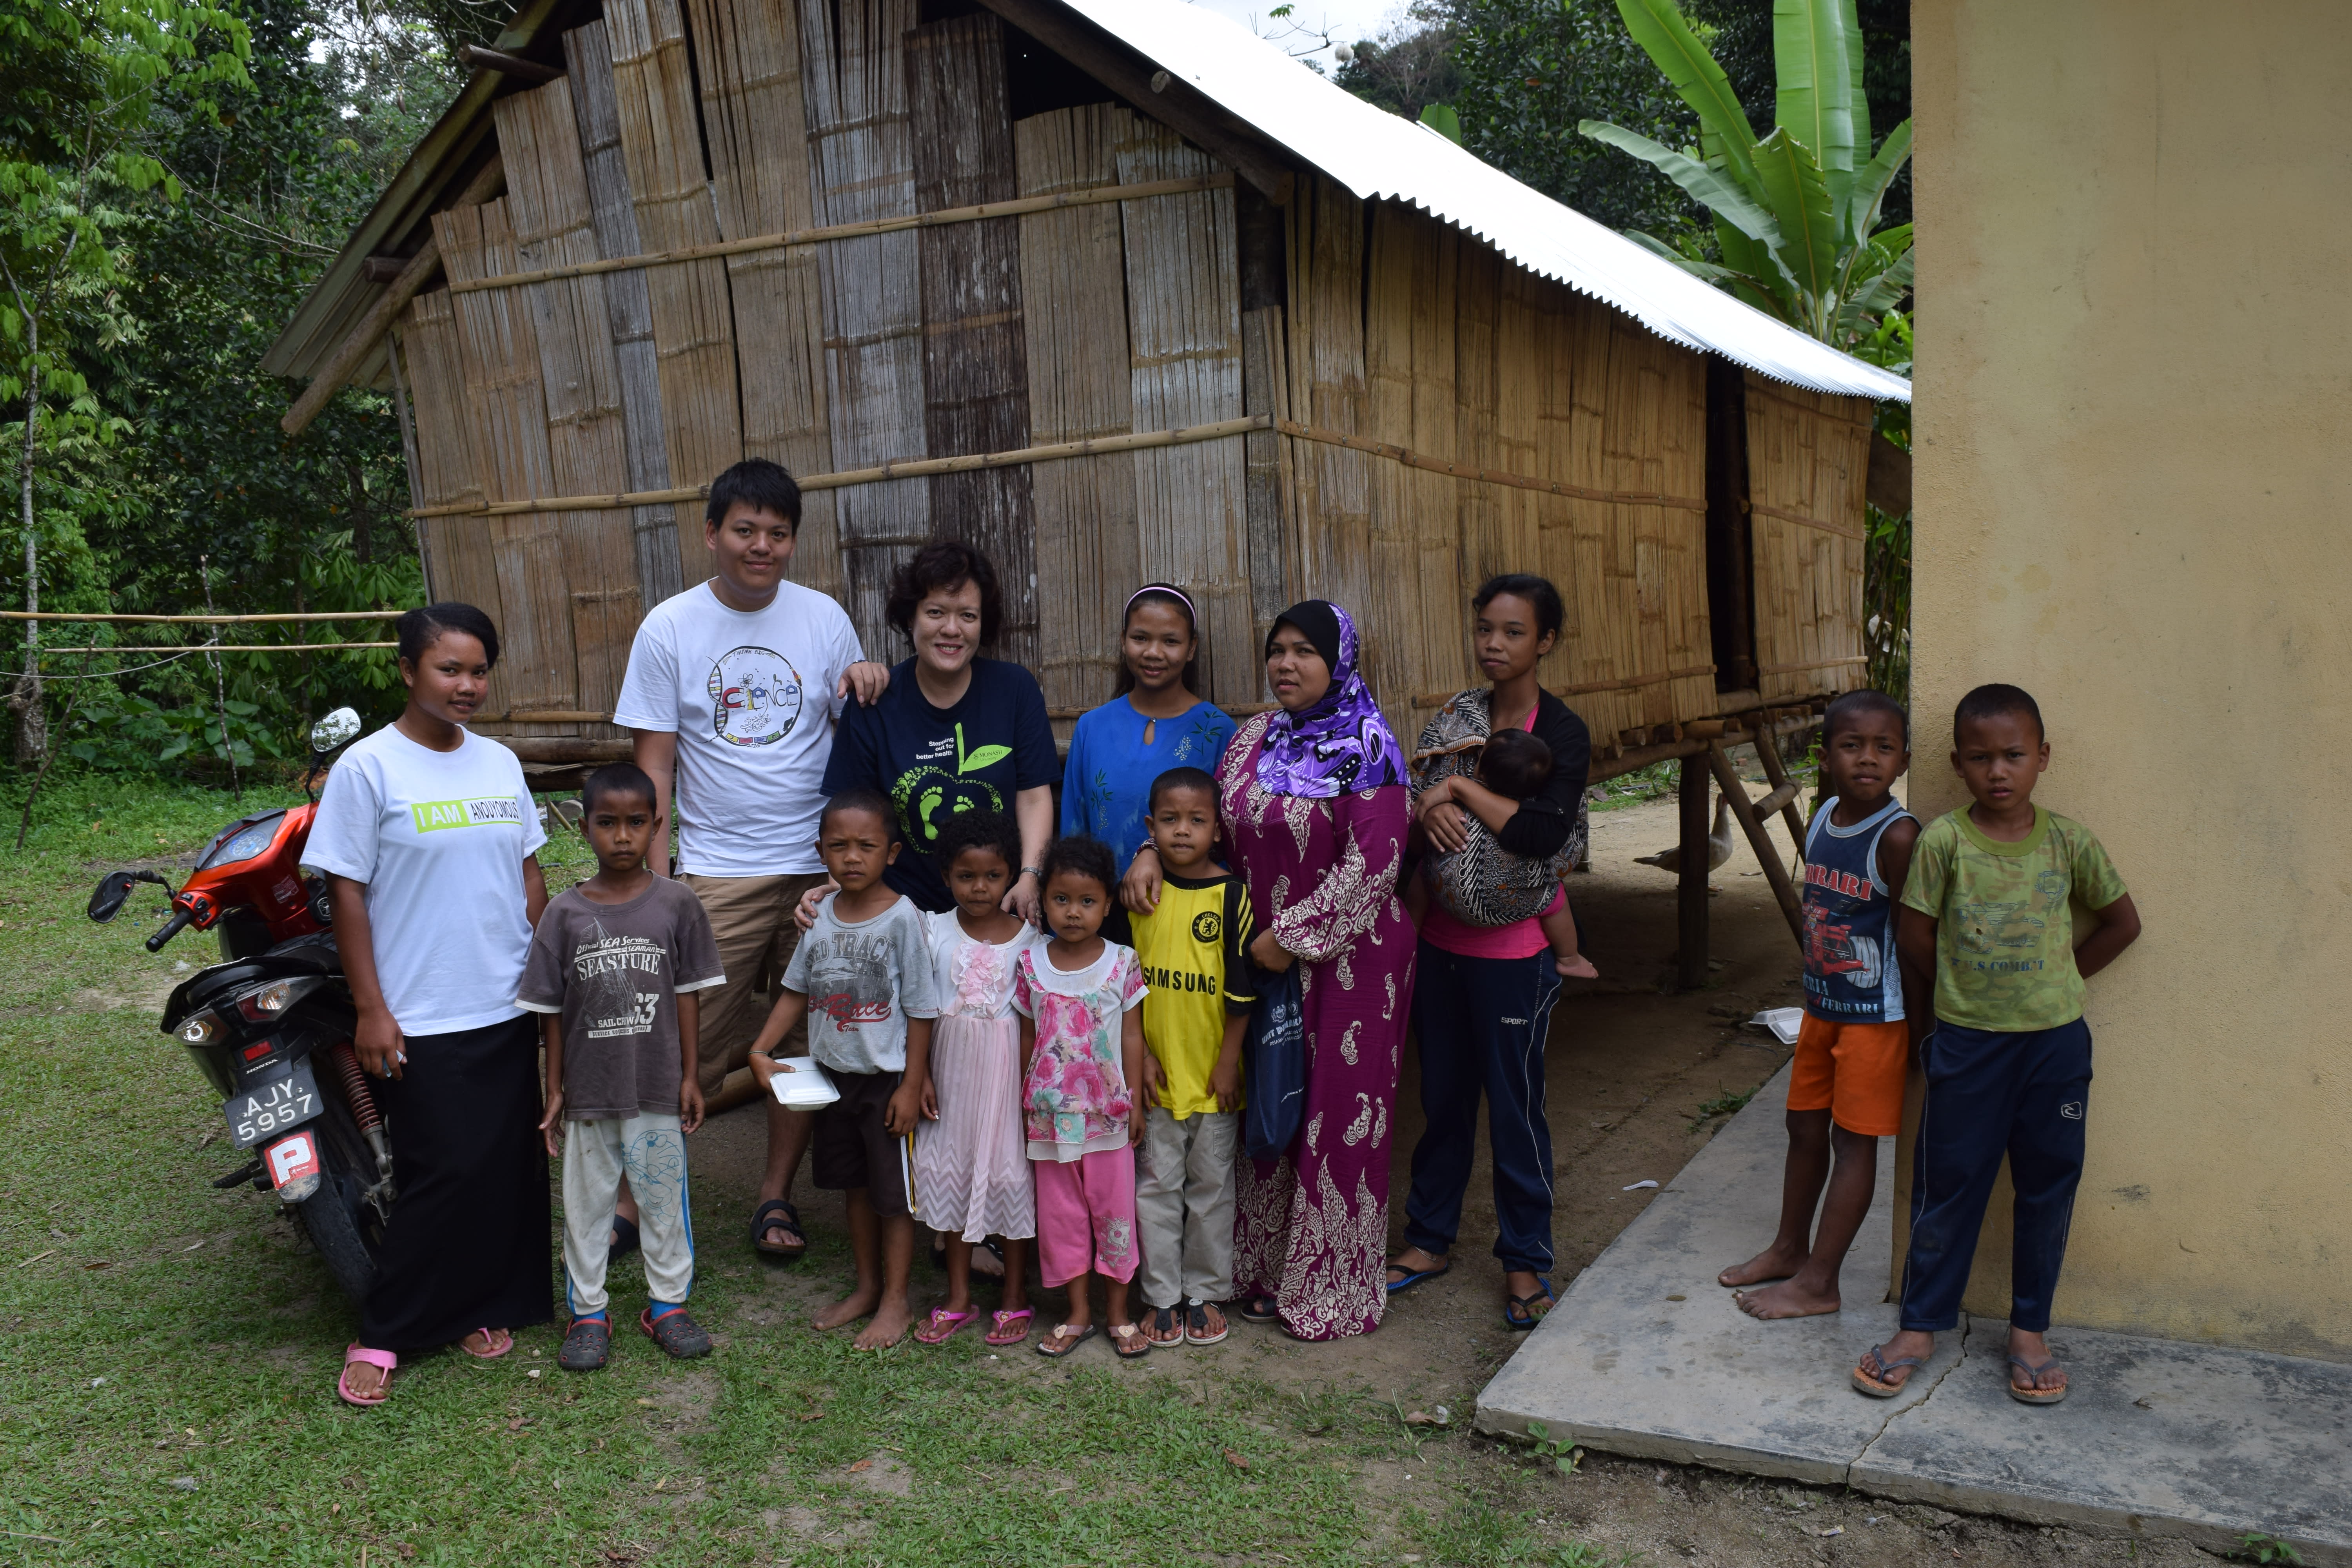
{"x": 1315, "y": 806}
{"x": 1082, "y": 1054}
{"x": 972, "y": 1175}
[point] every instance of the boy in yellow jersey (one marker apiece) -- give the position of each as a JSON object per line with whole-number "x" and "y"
{"x": 1193, "y": 949}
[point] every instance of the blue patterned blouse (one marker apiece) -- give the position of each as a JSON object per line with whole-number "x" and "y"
{"x": 1106, "y": 784}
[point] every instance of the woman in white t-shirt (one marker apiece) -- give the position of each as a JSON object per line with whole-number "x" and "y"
{"x": 428, "y": 838}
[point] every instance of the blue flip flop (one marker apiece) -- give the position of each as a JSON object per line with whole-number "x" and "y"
{"x": 1520, "y": 1313}
{"x": 1415, "y": 1276}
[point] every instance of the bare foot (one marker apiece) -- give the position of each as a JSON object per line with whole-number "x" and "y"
{"x": 1773, "y": 1263}
{"x": 891, "y": 1320}
{"x": 364, "y": 1379}
{"x": 857, "y": 1304}
{"x": 487, "y": 1343}
{"x": 1789, "y": 1298}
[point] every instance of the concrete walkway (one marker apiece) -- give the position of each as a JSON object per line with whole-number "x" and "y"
{"x": 1647, "y": 1356}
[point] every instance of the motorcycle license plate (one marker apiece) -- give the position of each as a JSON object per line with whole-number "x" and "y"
{"x": 277, "y": 1106}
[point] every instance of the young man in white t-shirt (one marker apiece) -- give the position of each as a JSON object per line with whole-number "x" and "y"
{"x": 732, "y": 688}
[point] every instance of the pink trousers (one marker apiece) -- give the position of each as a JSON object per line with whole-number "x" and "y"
{"x": 1086, "y": 1216}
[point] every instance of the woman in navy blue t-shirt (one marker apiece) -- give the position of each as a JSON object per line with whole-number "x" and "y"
{"x": 954, "y": 732}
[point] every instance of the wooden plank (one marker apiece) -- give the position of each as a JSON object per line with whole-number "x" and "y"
{"x": 755, "y": 122}
{"x": 1744, "y": 811}
{"x": 1265, "y": 390}
{"x": 1331, "y": 539}
{"x": 693, "y": 316}
{"x": 1808, "y": 463}
{"x": 448, "y": 471}
{"x": 862, "y": 166}
{"x": 1183, "y": 320}
{"x": 1074, "y": 328}
{"x": 653, "y": 533}
{"x": 975, "y": 364}
{"x": 547, "y": 204}
{"x": 499, "y": 353}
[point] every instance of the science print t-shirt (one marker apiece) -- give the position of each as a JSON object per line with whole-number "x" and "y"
{"x": 615, "y": 972}
{"x": 439, "y": 839}
{"x": 931, "y": 762}
{"x": 749, "y": 695}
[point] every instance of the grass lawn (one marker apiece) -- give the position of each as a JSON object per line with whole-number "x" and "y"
{"x": 167, "y": 1353}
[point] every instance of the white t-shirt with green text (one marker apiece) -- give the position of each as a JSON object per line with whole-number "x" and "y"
{"x": 439, "y": 837}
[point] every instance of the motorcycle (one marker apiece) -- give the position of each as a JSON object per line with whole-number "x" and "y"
{"x": 274, "y": 1018}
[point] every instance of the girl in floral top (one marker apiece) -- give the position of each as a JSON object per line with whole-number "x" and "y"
{"x": 1081, "y": 1051}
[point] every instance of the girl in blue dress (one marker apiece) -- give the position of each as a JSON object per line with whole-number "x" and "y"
{"x": 1155, "y": 721}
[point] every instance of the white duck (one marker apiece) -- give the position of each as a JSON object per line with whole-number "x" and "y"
{"x": 1719, "y": 844}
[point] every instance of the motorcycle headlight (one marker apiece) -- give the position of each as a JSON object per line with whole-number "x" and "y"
{"x": 199, "y": 1030}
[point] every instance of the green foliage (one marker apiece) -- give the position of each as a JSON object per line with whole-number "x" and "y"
{"x": 164, "y": 475}
{"x": 1526, "y": 71}
{"x": 1796, "y": 211}
{"x": 1724, "y": 1103}
{"x": 1561, "y": 1453}
{"x": 2258, "y": 1547}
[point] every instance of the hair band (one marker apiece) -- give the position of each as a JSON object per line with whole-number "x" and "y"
{"x": 1176, "y": 593}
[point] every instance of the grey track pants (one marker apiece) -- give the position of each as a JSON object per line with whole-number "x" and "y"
{"x": 651, "y": 1150}
{"x": 1184, "y": 1206}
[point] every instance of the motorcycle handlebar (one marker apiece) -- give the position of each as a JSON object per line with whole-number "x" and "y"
{"x": 171, "y": 928}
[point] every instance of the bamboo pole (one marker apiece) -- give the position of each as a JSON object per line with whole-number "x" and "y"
{"x": 1141, "y": 441}
{"x": 233, "y": 647}
{"x": 1744, "y": 811}
{"x": 912, "y": 469}
{"x": 206, "y": 620}
{"x": 387, "y": 307}
{"x": 1690, "y": 878}
{"x": 1768, "y": 755}
{"x": 975, "y": 213}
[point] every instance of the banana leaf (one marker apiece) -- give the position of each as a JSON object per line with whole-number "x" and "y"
{"x": 1871, "y": 184}
{"x": 1801, "y": 202}
{"x": 1691, "y": 265}
{"x": 1713, "y": 188}
{"x": 1772, "y": 291}
{"x": 1811, "y": 57}
{"x": 1875, "y": 298}
{"x": 1724, "y": 131}
{"x": 1856, "y": 98}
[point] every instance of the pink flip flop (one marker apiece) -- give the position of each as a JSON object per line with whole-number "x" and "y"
{"x": 944, "y": 1325}
{"x": 1009, "y": 1328}
{"x": 491, "y": 1337}
{"x": 385, "y": 1360}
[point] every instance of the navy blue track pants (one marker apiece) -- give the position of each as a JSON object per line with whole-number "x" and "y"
{"x": 1991, "y": 1094}
{"x": 1481, "y": 1024}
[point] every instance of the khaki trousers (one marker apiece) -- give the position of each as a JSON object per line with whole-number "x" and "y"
{"x": 752, "y": 919}
{"x": 1184, "y": 1206}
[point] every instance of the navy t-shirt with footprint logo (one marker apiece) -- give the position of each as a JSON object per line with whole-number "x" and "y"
{"x": 932, "y": 762}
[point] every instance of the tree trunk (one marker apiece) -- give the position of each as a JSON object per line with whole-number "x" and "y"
{"x": 363, "y": 534}
{"x": 32, "y": 719}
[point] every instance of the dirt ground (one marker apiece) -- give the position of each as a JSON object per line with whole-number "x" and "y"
{"x": 1629, "y": 1065}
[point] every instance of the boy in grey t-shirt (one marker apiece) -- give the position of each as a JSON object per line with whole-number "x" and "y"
{"x": 862, "y": 978}
{"x": 616, "y": 968}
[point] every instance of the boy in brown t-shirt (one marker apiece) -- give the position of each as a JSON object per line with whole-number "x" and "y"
{"x": 614, "y": 968}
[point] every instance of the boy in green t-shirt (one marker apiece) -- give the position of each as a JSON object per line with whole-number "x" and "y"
{"x": 2008, "y": 1063}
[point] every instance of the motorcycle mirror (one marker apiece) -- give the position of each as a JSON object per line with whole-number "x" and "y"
{"x": 112, "y": 890}
{"x": 337, "y": 728}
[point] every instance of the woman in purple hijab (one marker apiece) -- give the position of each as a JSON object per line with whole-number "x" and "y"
{"x": 1316, "y": 807}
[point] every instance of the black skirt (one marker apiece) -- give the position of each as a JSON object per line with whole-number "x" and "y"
{"x": 467, "y": 1243}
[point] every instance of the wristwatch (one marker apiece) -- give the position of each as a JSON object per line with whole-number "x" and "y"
{"x": 1036, "y": 871}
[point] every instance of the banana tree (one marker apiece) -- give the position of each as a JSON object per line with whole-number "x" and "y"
{"x": 1796, "y": 211}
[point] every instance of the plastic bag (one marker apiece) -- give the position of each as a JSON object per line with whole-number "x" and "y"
{"x": 1274, "y": 1066}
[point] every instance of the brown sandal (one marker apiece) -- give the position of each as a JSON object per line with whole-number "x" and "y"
{"x": 1131, "y": 1342}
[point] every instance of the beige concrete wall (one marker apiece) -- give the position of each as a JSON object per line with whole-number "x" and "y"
{"x": 2134, "y": 493}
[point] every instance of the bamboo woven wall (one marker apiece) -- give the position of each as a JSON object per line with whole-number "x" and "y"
{"x": 1808, "y": 459}
{"x": 1121, "y": 317}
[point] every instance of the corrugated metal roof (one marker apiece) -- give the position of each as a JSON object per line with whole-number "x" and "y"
{"x": 1375, "y": 153}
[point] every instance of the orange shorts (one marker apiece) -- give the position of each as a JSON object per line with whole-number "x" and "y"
{"x": 1854, "y": 1072}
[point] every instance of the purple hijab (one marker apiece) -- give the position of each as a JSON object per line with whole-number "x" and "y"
{"x": 1341, "y": 744}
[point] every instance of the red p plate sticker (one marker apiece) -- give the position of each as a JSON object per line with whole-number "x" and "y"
{"x": 290, "y": 1158}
